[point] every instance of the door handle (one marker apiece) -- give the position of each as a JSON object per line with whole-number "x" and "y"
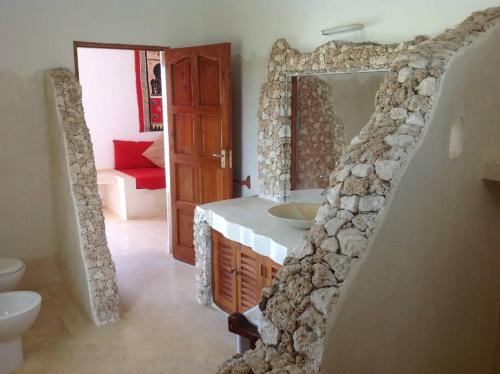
{"x": 222, "y": 157}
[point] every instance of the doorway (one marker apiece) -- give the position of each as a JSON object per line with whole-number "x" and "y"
{"x": 123, "y": 95}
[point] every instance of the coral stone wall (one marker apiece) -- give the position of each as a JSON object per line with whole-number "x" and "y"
{"x": 100, "y": 268}
{"x": 320, "y": 135}
{"x": 202, "y": 240}
{"x": 298, "y": 303}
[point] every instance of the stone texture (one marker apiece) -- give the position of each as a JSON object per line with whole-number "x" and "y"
{"x": 333, "y": 226}
{"x": 404, "y": 74}
{"x": 340, "y": 265}
{"x": 415, "y": 118}
{"x": 312, "y": 319}
{"x": 268, "y": 332}
{"x": 325, "y": 212}
{"x": 307, "y": 343}
{"x": 280, "y": 311}
{"x": 322, "y": 298}
{"x": 402, "y": 141}
{"x": 418, "y": 62}
{"x": 362, "y": 170}
{"x": 256, "y": 359}
{"x": 100, "y": 269}
{"x": 350, "y": 203}
{"x": 330, "y": 244}
{"x": 371, "y": 203}
{"x": 398, "y": 113}
{"x": 427, "y": 87}
{"x": 355, "y": 186}
{"x": 352, "y": 242}
{"x": 333, "y": 196}
{"x": 343, "y": 173}
{"x": 202, "y": 240}
{"x": 386, "y": 169}
{"x": 303, "y": 249}
{"x": 322, "y": 276}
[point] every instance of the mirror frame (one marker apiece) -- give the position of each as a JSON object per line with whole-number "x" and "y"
{"x": 274, "y": 135}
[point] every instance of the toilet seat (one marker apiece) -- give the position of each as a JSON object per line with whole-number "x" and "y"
{"x": 10, "y": 266}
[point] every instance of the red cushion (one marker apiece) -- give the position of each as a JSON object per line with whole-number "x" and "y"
{"x": 128, "y": 155}
{"x": 147, "y": 178}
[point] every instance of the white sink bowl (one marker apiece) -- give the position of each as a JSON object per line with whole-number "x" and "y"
{"x": 297, "y": 215}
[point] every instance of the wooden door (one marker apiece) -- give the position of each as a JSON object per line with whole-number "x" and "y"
{"x": 199, "y": 125}
{"x": 249, "y": 279}
{"x": 224, "y": 269}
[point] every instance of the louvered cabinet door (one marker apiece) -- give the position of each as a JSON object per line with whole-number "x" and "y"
{"x": 224, "y": 272}
{"x": 248, "y": 277}
{"x": 269, "y": 269}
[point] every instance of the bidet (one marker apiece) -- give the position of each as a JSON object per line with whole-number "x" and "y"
{"x": 18, "y": 311}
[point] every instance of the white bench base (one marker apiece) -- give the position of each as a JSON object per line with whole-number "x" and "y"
{"x": 119, "y": 194}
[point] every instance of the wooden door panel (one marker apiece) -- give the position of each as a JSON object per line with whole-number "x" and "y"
{"x": 210, "y": 178}
{"x": 209, "y": 80}
{"x": 199, "y": 111}
{"x": 185, "y": 183}
{"x": 211, "y": 142}
{"x": 249, "y": 278}
{"x": 185, "y": 235}
{"x": 184, "y": 133}
{"x": 181, "y": 81}
{"x": 224, "y": 270}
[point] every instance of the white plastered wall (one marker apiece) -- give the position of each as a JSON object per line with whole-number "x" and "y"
{"x": 425, "y": 298}
{"x": 27, "y": 228}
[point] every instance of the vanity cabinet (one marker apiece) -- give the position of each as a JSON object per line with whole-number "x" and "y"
{"x": 239, "y": 274}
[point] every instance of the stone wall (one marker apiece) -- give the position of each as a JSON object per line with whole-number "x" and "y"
{"x": 320, "y": 134}
{"x": 298, "y": 303}
{"x": 202, "y": 233}
{"x": 100, "y": 268}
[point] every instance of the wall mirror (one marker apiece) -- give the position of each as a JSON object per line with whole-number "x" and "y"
{"x": 326, "y": 111}
{"x": 342, "y": 62}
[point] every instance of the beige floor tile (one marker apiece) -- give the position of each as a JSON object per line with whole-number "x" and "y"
{"x": 162, "y": 329}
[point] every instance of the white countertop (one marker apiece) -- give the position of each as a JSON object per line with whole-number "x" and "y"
{"x": 246, "y": 221}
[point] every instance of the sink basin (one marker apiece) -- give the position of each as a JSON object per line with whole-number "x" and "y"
{"x": 297, "y": 215}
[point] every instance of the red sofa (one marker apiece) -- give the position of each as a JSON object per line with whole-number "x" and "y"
{"x": 129, "y": 160}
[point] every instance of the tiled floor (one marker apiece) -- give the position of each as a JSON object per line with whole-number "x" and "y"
{"x": 162, "y": 329}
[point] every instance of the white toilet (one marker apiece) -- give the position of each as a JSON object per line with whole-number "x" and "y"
{"x": 18, "y": 311}
{"x": 11, "y": 272}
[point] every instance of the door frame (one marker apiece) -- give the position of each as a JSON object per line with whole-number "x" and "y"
{"x": 85, "y": 44}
